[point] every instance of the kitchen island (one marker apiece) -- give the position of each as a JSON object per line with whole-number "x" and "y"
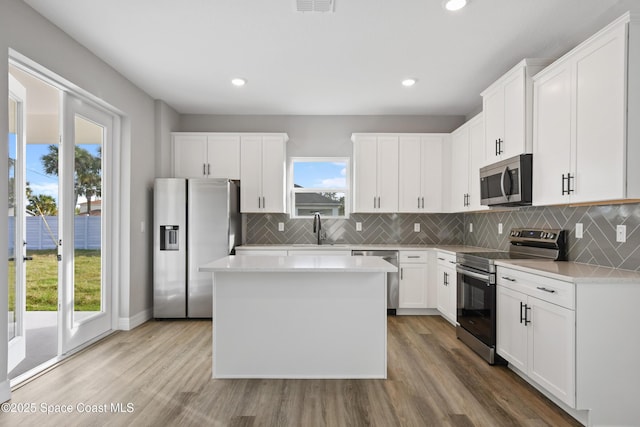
{"x": 299, "y": 316}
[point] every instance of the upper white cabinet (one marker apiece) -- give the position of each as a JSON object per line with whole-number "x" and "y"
{"x": 206, "y": 155}
{"x": 375, "y": 165}
{"x": 420, "y": 172}
{"x": 464, "y": 173}
{"x": 585, "y": 135}
{"x": 507, "y": 109}
{"x": 262, "y": 173}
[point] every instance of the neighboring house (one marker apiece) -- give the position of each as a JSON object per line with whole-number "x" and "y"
{"x": 306, "y": 204}
{"x": 96, "y": 208}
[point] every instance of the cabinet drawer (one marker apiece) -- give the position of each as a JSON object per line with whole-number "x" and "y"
{"x": 550, "y": 290}
{"x": 413, "y": 257}
{"x": 446, "y": 259}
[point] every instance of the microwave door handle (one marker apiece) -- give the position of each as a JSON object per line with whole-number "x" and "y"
{"x": 505, "y": 183}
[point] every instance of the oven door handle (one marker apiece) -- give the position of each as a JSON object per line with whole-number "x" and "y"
{"x": 475, "y": 275}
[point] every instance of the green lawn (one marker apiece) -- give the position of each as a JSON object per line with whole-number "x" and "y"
{"x": 42, "y": 281}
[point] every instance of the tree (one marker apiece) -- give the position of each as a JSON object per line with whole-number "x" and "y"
{"x": 87, "y": 176}
{"x": 43, "y": 204}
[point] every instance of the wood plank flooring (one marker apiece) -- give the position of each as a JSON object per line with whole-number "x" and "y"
{"x": 163, "y": 369}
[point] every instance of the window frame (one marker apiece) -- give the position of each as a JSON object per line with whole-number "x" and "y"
{"x": 292, "y": 190}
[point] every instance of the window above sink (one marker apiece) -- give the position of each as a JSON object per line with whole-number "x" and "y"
{"x": 319, "y": 184}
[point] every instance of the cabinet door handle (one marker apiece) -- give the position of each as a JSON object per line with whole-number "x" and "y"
{"x": 401, "y": 273}
{"x": 446, "y": 279}
{"x": 423, "y": 203}
{"x": 259, "y": 204}
{"x": 542, "y": 288}
{"x": 378, "y": 202}
{"x": 522, "y": 305}
{"x": 418, "y": 202}
{"x": 264, "y": 203}
{"x": 500, "y": 150}
{"x": 569, "y": 178}
{"x": 496, "y": 147}
{"x": 204, "y": 169}
{"x": 508, "y": 278}
{"x": 374, "y": 202}
{"x": 526, "y": 315}
{"x": 208, "y": 169}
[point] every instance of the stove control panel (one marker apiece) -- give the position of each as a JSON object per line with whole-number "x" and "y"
{"x": 535, "y": 235}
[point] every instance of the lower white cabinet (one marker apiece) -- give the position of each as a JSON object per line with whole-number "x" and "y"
{"x": 413, "y": 280}
{"x": 447, "y": 284}
{"x": 536, "y": 330}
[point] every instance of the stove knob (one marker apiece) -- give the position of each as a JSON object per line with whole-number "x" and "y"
{"x": 551, "y": 236}
{"x": 544, "y": 235}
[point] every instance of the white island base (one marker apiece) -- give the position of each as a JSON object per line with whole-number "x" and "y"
{"x": 299, "y": 317}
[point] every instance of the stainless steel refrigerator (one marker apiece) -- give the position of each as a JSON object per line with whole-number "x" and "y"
{"x": 195, "y": 221}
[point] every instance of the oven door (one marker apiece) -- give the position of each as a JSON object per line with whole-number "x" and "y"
{"x": 476, "y": 307}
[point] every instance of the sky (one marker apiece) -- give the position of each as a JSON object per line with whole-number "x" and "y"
{"x": 320, "y": 174}
{"x": 38, "y": 180}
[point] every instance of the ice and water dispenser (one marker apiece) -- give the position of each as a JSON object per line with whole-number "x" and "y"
{"x": 169, "y": 238}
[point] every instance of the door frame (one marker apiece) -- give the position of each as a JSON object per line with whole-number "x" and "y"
{"x": 120, "y": 181}
{"x": 17, "y": 346}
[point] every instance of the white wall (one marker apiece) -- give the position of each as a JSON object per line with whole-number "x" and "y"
{"x": 167, "y": 121}
{"x": 319, "y": 135}
{"x": 28, "y": 33}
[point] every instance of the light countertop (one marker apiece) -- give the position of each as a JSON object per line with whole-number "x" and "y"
{"x": 299, "y": 263}
{"x": 349, "y": 246}
{"x": 573, "y": 271}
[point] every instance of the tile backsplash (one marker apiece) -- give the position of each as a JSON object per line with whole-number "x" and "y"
{"x": 598, "y": 245}
{"x": 443, "y": 229}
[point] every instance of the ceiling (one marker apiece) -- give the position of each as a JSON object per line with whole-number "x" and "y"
{"x": 349, "y": 62}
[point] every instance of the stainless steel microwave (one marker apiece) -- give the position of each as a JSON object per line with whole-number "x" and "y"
{"x": 507, "y": 183}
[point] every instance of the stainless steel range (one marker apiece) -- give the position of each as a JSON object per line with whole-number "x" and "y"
{"x": 476, "y": 307}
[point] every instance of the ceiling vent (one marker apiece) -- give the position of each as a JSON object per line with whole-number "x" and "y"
{"x": 314, "y": 5}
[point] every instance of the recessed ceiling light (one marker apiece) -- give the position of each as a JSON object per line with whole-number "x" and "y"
{"x": 408, "y": 82}
{"x": 454, "y": 5}
{"x": 238, "y": 82}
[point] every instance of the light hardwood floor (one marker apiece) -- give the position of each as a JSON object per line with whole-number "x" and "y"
{"x": 164, "y": 370}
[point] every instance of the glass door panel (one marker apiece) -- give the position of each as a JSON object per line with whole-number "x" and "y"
{"x": 84, "y": 290}
{"x": 88, "y": 285}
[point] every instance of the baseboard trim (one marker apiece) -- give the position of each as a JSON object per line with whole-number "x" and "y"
{"x": 129, "y": 323}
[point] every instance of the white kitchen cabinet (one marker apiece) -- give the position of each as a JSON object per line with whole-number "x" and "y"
{"x": 375, "y": 165}
{"x": 536, "y": 330}
{"x": 584, "y": 149}
{"x": 413, "y": 280}
{"x": 447, "y": 286}
{"x": 464, "y": 171}
{"x": 420, "y": 172}
{"x": 206, "y": 155}
{"x": 507, "y": 109}
{"x": 262, "y": 173}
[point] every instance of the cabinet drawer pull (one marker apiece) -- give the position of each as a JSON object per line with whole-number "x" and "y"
{"x": 542, "y": 288}
{"x": 441, "y": 259}
{"x": 508, "y": 278}
{"x": 413, "y": 256}
{"x": 452, "y": 262}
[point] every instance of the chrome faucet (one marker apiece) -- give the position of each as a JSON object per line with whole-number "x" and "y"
{"x": 317, "y": 227}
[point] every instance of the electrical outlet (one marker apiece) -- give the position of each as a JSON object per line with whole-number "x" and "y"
{"x": 470, "y": 227}
{"x": 579, "y": 230}
{"x": 416, "y": 227}
{"x": 281, "y": 226}
{"x": 499, "y": 228}
{"x": 358, "y": 226}
{"x": 621, "y": 233}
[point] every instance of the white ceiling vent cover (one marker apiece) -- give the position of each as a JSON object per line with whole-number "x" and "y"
{"x": 314, "y": 5}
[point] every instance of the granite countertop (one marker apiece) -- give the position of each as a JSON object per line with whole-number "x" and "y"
{"x": 572, "y": 271}
{"x": 303, "y": 263}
